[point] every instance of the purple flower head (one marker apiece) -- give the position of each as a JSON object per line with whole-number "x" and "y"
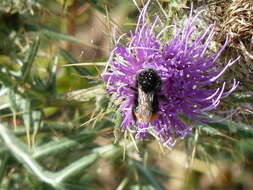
{"x": 154, "y": 80}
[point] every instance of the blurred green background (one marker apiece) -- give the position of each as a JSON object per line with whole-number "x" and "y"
{"x": 58, "y": 125}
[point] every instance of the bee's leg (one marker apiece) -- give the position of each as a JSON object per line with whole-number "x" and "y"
{"x": 163, "y": 97}
{"x": 132, "y": 88}
{"x": 154, "y": 116}
{"x": 134, "y": 116}
{"x": 155, "y": 104}
{"x": 134, "y": 107}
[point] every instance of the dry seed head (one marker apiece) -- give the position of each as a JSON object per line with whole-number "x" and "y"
{"x": 238, "y": 21}
{"x": 235, "y": 19}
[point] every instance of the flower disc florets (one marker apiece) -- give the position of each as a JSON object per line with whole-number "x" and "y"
{"x": 186, "y": 73}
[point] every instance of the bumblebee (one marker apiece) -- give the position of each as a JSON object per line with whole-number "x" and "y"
{"x": 146, "y": 105}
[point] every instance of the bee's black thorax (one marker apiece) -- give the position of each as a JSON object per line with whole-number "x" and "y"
{"x": 149, "y": 81}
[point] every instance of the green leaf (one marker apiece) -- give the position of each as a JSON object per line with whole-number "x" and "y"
{"x": 60, "y": 36}
{"x": 13, "y": 100}
{"x": 242, "y": 99}
{"x": 51, "y": 84}
{"x": 72, "y": 60}
{"x": 26, "y": 108}
{"x": 158, "y": 172}
{"x": 84, "y": 94}
{"x": 36, "y": 121}
{"x": 96, "y": 4}
{"x": 110, "y": 151}
{"x": 245, "y": 145}
{"x": 76, "y": 167}
{"x": 65, "y": 37}
{"x": 20, "y": 152}
{"x": 123, "y": 184}
{"x": 116, "y": 131}
{"x": 62, "y": 145}
{"x": 29, "y": 59}
{"x": 7, "y": 79}
{"x": 46, "y": 127}
{"x": 208, "y": 130}
{"x": 3, "y": 162}
{"x": 242, "y": 130}
{"x": 149, "y": 177}
{"x": 247, "y": 85}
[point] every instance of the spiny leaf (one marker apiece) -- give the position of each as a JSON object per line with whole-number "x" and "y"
{"x": 62, "y": 145}
{"x": 26, "y": 108}
{"x": 3, "y": 161}
{"x": 208, "y": 130}
{"x": 149, "y": 176}
{"x": 61, "y": 36}
{"x": 247, "y": 85}
{"x": 20, "y": 152}
{"x": 13, "y": 100}
{"x": 46, "y": 127}
{"x": 84, "y": 94}
{"x": 72, "y": 60}
{"x": 30, "y": 58}
{"x": 123, "y": 184}
{"x": 116, "y": 131}
{"x": 76, "y": 167}
{"x": 51, "y": 84}
{"x": 245, "y": 145}
{"x": 95, "y": 4}
{"x": 242, "y": 99}
{"x": 36, "y": 122}
{"x": 242, "y": 130}
{"x": 7, "y": 79}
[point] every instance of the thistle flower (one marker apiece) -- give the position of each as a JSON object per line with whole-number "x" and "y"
{"x": 154, "y": 81}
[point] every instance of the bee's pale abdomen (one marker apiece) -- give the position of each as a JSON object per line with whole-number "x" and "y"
{"x": 144, "y": 110}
